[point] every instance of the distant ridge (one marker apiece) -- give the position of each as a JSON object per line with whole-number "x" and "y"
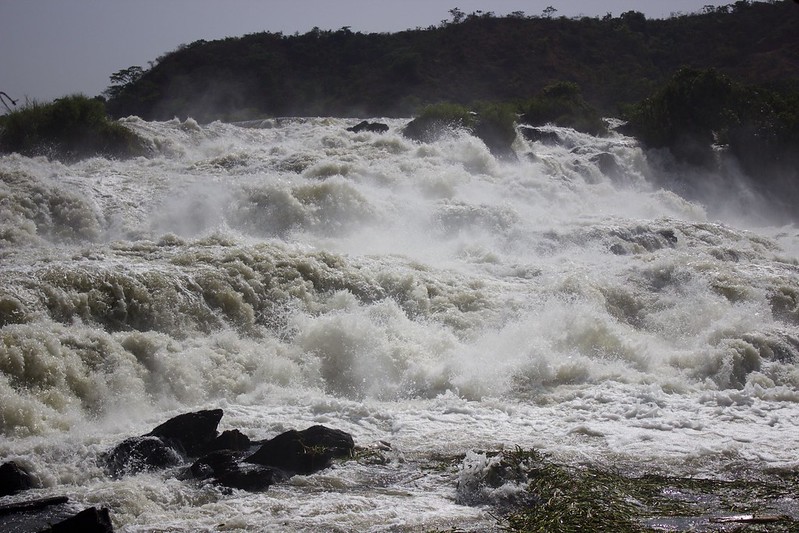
{"x": 615, "y": 60}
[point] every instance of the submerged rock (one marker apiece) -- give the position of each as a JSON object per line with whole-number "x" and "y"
{"x": 226, "y": 468}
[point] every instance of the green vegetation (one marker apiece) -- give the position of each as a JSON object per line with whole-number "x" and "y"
{"x": 585, "y": 498}
{"x": 493, "y": 123}
{"x": 69, "y": 128}
{"x": 698, "y": 110}
{"x": 562, "y": 104}
{"x": 471, "y": 57}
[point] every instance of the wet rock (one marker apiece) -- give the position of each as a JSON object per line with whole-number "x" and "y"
{"x": 375, "y": 127}
{"x": 534, "y": 134}
{"x": 91, "y": 520}
{"x": 138, "y": 454}
{"x": 14, "y": 478}
{"x": 608, "y": 165}
{"x": 226, "y": 468}
{"x": 232, "y": 439}
{"x": 304, "y": 452}
{"x": 190, "y": 433}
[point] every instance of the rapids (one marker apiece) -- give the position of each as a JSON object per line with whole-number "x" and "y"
{"x": 422, "y": 295}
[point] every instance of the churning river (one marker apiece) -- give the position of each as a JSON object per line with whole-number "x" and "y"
{"x": 426, "y": 298}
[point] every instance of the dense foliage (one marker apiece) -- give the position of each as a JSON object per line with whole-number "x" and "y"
{"x": 702, "y": 116}
{"x": 469, "y": 58}
{"x": 69, "y": 128}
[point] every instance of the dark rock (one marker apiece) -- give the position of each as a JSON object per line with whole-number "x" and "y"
{"x": 618, "y": 249}
{"x": 340, "y": 443}
{"x": 304, "y": 452}
{"x": 31, "y": 505}
{"x": 138, "y": 454}
{"x": 14, "y": 478}
{"x": 498, "y": 138}
{"x": 534, "y": 134}
{"x": 669, "y": 235}
{"x": 91, "y": 520}
{"x": 375, "y": 127}
{"x": 190, "y": 433}
{"x": 608, "y": 165}
{"x": 232, "y": 439}
{"x": 225, "y": 468}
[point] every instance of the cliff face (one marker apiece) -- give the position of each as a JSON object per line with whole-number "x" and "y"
{"x": 481, "y": 57}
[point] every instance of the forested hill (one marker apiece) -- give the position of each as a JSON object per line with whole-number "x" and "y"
{"x": 471, "y": 57}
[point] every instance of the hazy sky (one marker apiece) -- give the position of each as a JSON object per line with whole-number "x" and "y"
{"x": 52, "y": 48}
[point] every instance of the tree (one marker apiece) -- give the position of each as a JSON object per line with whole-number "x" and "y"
{"x": 549, "y": 11}
{"x": 122, "y": 79}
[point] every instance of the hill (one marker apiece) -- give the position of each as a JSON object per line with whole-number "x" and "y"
{"x": 615, "y": 60}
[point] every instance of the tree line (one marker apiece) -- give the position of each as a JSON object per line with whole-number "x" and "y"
{"x": 472, "y": 57}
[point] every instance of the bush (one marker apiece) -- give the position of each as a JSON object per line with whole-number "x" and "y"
{"x": 492, "y": 123}
{"x": 562, "y": 104}
{"x": 70, "y": 128}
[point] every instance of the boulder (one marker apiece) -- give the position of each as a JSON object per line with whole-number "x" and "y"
{"x": 365, "y": 125}
{"x": 304, "y": 452}
{"x": 14, "y": 478}
{"x": 190, "y": 433}
{"x": 608, "y": 165}
{"x": 232, "y": 439}
{"x": 186, "y": 435}
{"x": 534, "y": 134}
{"x": 91, "y": 520}
{"x": 138, "y": 454}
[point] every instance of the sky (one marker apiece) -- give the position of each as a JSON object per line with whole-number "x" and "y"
{"x": 54, "y": 48}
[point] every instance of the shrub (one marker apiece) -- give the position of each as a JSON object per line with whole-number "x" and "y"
{"x": 70, "y": 128}
{"x": 562, "y": 104}
{"x": 493, "y": 123}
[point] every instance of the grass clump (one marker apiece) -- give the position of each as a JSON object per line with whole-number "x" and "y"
{"x": 69, "y": 129}
{"x": 582, "y": 498}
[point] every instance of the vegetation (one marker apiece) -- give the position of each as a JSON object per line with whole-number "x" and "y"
{"x": 472, "y": 57}
{"x": 585, "y": 498}
{"x": 562, "y": 104}
{"x": 69, "y": 128}
{"x": 493, "y": 123}
{"x": 699, "y": 111}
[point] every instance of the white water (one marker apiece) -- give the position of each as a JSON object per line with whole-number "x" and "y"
{"x": 427, "y": 296}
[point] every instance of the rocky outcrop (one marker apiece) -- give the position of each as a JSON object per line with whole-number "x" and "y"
{"x": 365, "y": 125}
{"x": 190, "y": 433}
{"x": 228, "y": 459}
{"x": 304, "y": 452}
{"x": 168, "y": 445}
{"x": 534, "y": 134}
